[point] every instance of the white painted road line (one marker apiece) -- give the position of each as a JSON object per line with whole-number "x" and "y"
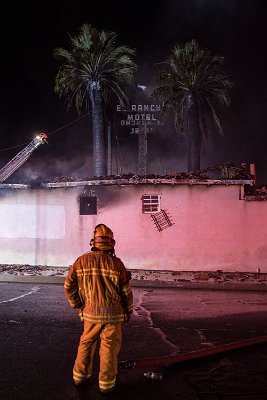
{"x": 33, "y": 290}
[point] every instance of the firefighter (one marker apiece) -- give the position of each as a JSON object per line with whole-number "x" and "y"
{"x": 98, "y": 286}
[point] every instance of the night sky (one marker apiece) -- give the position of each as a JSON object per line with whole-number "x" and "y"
{"x": 30, "y": 30}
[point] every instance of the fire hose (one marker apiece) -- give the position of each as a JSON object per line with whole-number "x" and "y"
{"x": 193, "y": 355}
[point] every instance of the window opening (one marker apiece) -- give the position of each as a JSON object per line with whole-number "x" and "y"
{"x": 88, "y": 205}
{"x": 151, "y": 203}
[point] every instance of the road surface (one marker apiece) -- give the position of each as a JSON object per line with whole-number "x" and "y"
{"x": 40, "y": 333}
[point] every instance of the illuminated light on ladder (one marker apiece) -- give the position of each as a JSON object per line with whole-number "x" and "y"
{"x": 162, "y": 220}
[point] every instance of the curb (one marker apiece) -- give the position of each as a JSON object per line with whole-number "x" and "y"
{"x": 59, "y": 280}
{"x": 32, "y": 279}
{"x": 201, "y": 280}
{"x": 201, "y": 285}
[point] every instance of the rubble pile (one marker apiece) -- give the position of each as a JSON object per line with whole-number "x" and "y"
{"x": 32, "y": 270}
{"x": 172, "y": 175}
{"x": 226, "y": 171}
{"x": 256, "y": 191}
{"x": 149, "y": 278}
{"x": 218, "y": 276}
{"x": 238, "y": 276}
{"x": 16, "y": 269}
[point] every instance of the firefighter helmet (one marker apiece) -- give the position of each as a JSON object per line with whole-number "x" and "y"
{"x": 103, "y": 238}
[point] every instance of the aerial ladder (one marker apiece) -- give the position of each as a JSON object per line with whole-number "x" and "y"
{"x": 21, "y": 157}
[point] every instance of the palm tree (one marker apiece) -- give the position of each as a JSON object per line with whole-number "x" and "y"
{"x": 191, "y": 83}
{"x": 94, "y": 70}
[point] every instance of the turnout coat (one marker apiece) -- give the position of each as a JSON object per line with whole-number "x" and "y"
{"x": 98, "y": 285}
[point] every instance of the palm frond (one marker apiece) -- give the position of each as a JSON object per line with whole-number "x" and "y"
{"x": 191, "y": 68}
{"x": 62, "y": 54}
{"x": 93, "y": 56}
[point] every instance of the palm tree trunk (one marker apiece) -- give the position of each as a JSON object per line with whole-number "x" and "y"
{"x": 194, "y": 133}
{"x": 99, "y": 150}
{"x": 142, "y": 151}
{"x": 109, "y": 151}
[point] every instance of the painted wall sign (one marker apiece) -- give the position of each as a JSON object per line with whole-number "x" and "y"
{"x": 141, "y": 117}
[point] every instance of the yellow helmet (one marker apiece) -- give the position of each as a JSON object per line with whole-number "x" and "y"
{"x": 103, "y": 238}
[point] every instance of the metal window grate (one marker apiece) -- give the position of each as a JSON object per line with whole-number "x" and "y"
{"x": 162, "y": 220}
{"x": 151, "y": 203}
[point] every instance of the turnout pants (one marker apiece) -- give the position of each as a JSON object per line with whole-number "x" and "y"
{"x": 110, "y": 344}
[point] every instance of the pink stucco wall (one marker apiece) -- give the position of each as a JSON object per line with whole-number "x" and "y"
{"x": 213, "y": 229}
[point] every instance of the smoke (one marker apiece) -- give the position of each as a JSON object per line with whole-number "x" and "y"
{"x": 43, "y": 168}
{"x": 234, "y": 29}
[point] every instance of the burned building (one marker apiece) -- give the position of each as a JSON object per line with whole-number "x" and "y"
{"x": 176, "y": 223}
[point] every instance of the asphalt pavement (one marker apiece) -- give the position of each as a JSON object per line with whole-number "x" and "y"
{"x": 39, "y": 337}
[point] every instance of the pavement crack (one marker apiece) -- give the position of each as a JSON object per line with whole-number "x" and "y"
{"x": 141, "y": 311}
